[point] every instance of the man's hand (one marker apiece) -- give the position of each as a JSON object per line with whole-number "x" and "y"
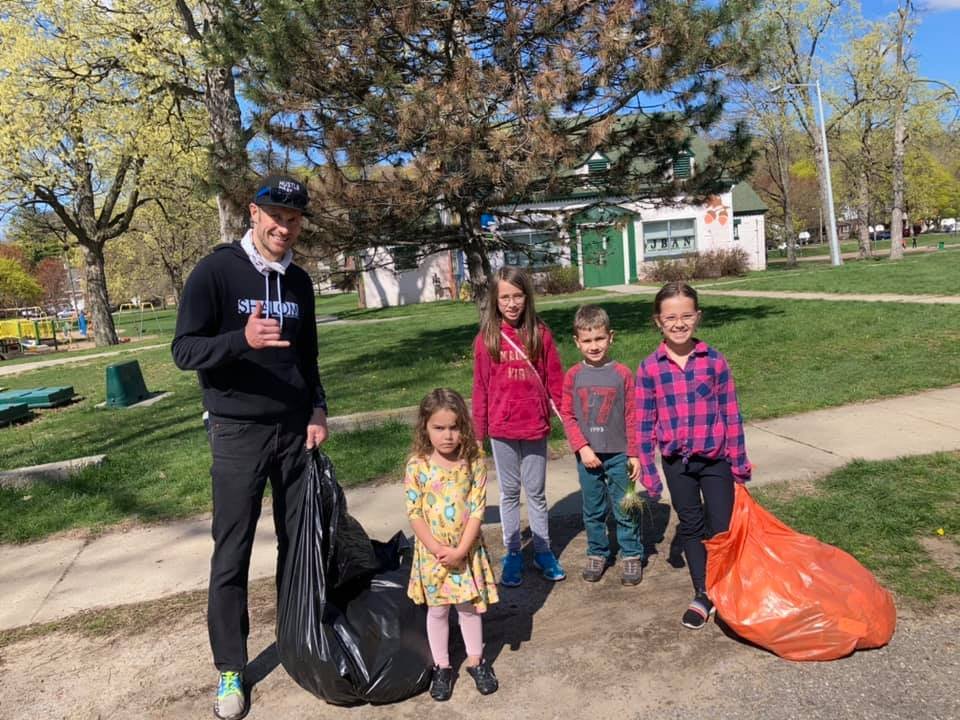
{"x": 589, "y": 458}
{"x": 263, "y": 332}
{"x": 634, "y": 467}
{"x": 317, "y": 429}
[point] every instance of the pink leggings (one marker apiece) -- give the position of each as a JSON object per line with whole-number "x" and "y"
{"x": 438, "y": 631}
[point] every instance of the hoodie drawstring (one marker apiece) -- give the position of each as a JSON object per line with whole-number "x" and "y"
{"x": 280, "y": 300}
{"x": 266, "y": 290}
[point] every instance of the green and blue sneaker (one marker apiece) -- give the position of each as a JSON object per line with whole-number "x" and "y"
{"x": 231, "y": 701}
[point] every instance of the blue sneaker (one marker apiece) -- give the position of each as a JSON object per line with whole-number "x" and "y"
{"x": 547, "y": 563}
{"x": 512, "y": 573}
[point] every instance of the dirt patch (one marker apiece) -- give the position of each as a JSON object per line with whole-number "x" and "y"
{"x": 562, "y": 650}
{"x": 784, "y": 492}
{"x": 944, "y": 551}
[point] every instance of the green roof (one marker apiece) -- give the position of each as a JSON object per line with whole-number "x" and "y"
{"x": 746, "y": 201}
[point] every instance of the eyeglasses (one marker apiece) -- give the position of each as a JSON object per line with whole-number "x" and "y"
{"x": 671, "y": 320}
{"x": 508, "y": 299}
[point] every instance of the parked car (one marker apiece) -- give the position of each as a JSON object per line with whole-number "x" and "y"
{"x": 65, "y": 314}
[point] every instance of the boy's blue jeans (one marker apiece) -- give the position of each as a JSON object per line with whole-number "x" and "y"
{"x": 598, "y": 487}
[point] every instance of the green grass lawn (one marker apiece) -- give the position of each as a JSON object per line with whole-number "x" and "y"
{"x": 880, "y": 246}
{"x": 935, "y": 273}
{"x": 886, "y": 514}
{"x": 787, "y": 356}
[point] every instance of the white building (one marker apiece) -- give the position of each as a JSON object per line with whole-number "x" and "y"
{"x": 609, "y": 240}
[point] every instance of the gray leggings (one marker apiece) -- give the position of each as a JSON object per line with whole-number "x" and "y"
{"x": 522, "y": 462}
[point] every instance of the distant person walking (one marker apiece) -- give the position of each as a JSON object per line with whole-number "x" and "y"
{"x": 247, "y": 325}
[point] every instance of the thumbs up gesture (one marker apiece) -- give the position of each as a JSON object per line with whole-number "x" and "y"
{"x": 262, "y": 332}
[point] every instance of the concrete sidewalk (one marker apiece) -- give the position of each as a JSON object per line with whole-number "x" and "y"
{"x": 57, "y": 578}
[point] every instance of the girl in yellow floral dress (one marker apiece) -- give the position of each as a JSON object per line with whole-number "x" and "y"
{"x": 446, "y": 492}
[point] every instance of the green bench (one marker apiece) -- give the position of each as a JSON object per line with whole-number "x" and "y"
{"x": 42, "y": 397}
{"x": 13, "y": 412}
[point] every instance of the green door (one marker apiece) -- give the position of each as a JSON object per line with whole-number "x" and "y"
{"x": 603, "y": 260}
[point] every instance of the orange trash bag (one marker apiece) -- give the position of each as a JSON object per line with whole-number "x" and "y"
{"x": 790, "y": 593}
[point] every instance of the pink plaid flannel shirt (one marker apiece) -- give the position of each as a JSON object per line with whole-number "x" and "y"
{"x": 689, "y": 411}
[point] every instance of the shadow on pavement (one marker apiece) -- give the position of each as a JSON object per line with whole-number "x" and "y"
{"x": 262, "y": 665}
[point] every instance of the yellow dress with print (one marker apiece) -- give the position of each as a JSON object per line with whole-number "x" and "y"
{"x": 445, "y": 499}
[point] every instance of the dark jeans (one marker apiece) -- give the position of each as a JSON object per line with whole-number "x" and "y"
{"x": 687, "y": 482}
{"x": 245, "y": 456}
{"x": 599, "y": 488}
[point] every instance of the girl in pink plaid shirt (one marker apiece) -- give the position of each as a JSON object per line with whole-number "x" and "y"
{"x": 687, "y": 405}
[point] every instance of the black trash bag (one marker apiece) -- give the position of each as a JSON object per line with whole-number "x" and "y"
{"x": 360, "y": 639}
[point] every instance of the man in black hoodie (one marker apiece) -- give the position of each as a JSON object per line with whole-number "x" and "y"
{"x": 247, "y": 325}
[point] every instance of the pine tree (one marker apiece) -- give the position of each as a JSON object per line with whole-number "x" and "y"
{"x": 412, "y": 111}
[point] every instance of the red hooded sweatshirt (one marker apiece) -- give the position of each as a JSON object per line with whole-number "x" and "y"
{"x": 509, "y": 401}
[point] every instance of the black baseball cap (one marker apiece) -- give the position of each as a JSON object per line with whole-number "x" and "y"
{"x": 283, "y": 191}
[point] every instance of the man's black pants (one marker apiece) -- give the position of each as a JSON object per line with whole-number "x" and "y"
{"x": 245, "y": 456}
{"x": 687, "y": 481}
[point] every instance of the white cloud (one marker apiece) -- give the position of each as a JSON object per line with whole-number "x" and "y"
{"x": 941, "y": 4}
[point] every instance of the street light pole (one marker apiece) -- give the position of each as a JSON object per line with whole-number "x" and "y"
{"x": 835, "y": 258}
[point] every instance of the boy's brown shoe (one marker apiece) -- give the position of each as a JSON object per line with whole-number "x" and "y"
{"x": 594, "y": 568}
{"x": 632, "y": 572}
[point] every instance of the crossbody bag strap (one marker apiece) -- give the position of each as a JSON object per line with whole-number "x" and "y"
{"x": 521, "y": 353}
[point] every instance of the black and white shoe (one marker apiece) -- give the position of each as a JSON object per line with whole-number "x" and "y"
{"x": 698, "y": 612}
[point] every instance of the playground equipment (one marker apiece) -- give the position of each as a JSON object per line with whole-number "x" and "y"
{"x": 26, "y": 329}
{"x": 141, "y": 308}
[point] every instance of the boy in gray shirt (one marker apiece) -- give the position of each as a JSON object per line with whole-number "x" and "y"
{"x": 598, "y": 412}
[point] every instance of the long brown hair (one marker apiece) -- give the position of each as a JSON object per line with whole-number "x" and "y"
{"x": 529, "y": 328}
{"x": 675, "y": 289}
{"x": 445, "y": 399}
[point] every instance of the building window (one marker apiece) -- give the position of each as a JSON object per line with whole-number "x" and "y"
{"x": 597, "y": 165}
{"x": 683, "y": 166}
{"x": 533, "y": 249}
{"x": 665, "y": 238}
{"x": 736, "y": 228}
{"x": 404, "y": 257}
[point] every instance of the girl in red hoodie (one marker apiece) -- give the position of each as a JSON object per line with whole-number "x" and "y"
{"x": 517, "y": 377}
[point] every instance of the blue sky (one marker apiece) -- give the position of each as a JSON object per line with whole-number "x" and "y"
{"x": 937, "y": 38}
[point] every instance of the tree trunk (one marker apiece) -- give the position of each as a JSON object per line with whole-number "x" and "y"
{"x": 791, "y": 237}
{"x": 97, "y": 301}
{"x": 229, "y": 161}
{"x": 865, "y": 249}
{"x": 478, "y": 259}
{"x": 478, "y": 265}
{"x": 896, "y": 217}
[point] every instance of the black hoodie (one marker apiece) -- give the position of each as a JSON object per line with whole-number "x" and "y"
{"x": 239, "y": 382}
